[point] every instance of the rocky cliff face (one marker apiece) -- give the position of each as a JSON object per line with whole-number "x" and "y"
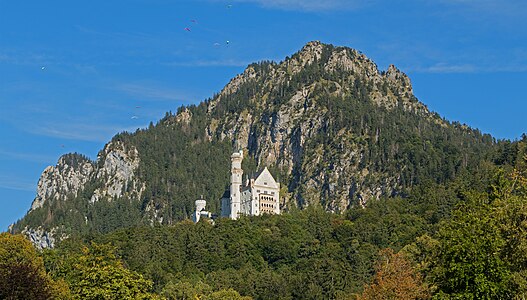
{"x": 279, "y": 134}
{"x": 42, "y": 239}
{"x": 114, "y": 170}
{"x": 112, "y": 173}
{"x": 117, "y": 173}
{"x": 65, "y": 179}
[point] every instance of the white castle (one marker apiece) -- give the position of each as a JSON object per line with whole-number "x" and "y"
{"x": 200, "y": 210}
{"x": 259, "y": 195}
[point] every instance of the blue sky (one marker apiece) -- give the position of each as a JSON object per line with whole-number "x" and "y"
{"x": 73, "y": 73}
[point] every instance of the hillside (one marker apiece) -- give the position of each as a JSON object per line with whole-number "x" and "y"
{"x": 333, "y": 129}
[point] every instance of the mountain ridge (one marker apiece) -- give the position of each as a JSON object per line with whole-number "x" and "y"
{"x": 334, "y": 129}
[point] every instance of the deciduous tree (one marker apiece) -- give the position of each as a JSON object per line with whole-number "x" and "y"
{"x": 395, "y": 278}
{"x": 22, "y": 272}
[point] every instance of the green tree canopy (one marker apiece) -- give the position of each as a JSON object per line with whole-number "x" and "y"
{"x": 97, "y": 273}
{"x": 22, "y": 272}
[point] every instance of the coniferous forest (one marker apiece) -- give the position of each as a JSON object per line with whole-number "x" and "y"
{"x": 461, "y": 240}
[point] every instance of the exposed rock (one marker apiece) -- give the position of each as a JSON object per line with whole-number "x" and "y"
{"x": 113, "y": 172}
{"x": 117, "y": 171}
{"x": 65, "y": 179}
{"x": 41, "y": 238}
{"x": 184, "y": 116}
{"x": 310, "y": 52}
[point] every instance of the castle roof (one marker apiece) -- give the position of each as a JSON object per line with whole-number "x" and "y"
{"x": 264, "y": 178}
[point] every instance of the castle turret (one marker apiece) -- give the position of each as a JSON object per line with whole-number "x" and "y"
{"x": 236, "y": 182}
{"x": 200, "y": 206}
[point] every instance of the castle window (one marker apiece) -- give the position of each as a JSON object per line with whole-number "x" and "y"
{"x": 257, "y": 191}
{"x": 265, "y": 183}
{"x": 272, "y": 193}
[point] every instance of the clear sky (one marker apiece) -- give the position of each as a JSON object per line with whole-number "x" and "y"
{"x": 74, "y": 73}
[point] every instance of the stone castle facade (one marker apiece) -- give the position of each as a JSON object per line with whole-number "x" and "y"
{"x": 259, "y": 195}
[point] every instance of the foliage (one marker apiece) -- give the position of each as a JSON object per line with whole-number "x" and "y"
{"x": 395, "y": 278}
{"x": 96, "y": 273}
{"x": 481, "y": 250}
{"x": 184, "y": 290}
{"x": 22, "y": 272}
{"x": 467, "y": 239}
{"x": 468, "y": 263}
{"x": 229, "y": 294}
{"x": 305, "y": 254}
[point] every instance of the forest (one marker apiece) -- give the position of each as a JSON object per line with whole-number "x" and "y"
{"x": 462, "y": 240}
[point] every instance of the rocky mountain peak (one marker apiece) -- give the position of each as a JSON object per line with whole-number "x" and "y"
{"x": 388, "y": 88}
{"x": 184, "y": 117}
{"x": 397, "y": 77}
{"x": 66, "y": 178}
{"x": 310, "y": 52}
{"x": 331, "y": 126}
{"x": 114, "y": 171}
{"x": 118, "y": 163}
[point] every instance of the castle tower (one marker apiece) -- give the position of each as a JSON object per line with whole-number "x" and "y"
{"x": 236, "y": 182}
{"x": 200, "y": 206}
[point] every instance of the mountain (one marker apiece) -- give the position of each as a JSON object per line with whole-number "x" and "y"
{"x": 330, "y": 126}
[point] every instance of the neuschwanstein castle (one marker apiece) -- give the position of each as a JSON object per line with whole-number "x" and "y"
{"x": 259, "y": 195}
